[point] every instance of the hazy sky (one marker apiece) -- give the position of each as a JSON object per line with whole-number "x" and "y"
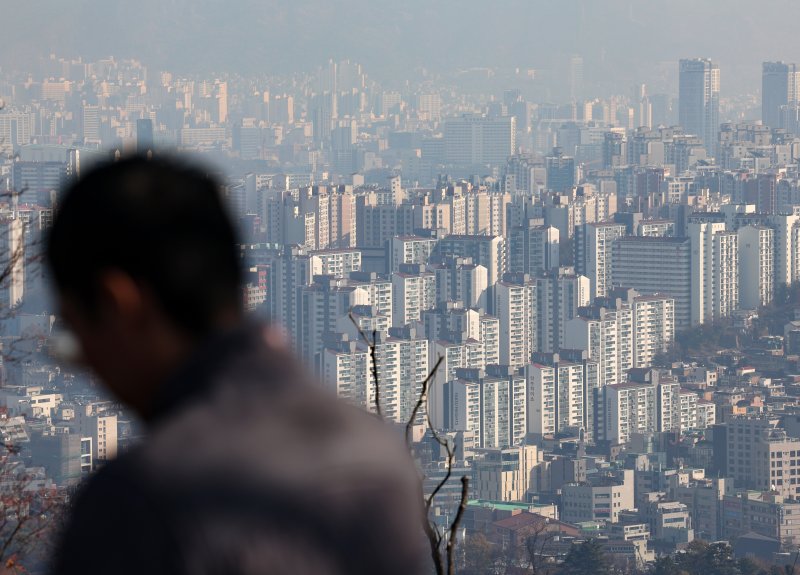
{"x": 621, "y": 40}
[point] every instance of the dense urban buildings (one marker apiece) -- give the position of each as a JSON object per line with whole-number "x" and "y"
{"x": 592, "y": 302}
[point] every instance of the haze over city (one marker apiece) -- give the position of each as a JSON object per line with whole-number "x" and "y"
{"x": 549, "y": 251}
{"x": 622, "y": 41}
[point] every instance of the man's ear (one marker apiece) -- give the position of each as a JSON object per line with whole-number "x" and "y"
{"x": 120, "y": 295}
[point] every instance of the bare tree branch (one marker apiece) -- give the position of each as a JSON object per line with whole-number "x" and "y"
{"x": 442, "y": 565}
{"x": 451, "y": 541}
{"x": 372, "y": 346}
{"x": 373, "y": 354}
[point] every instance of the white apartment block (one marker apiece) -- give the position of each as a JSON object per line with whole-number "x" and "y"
{"x": 411, "y": 295}
{"x": 714, "y": 271}
{"x": 515, "y": 307}
{"x": 461, "y": 280}
{"x": 628, "y": 408}
{"x": 455, "y": 355}
{"x": 410, "y": 250}
{"x": 558, "y": 297}
{"x": 493, "y": 405}
{"x": 624, "y": 336}
{"x": 598, "y": 245}
{"x": 339, "y": 263}
{"x": 402, "y": 368}
{"x": 598, "y": 337}
{"x": 786, "y": 229}
{"x": 532, "y": 248}
{"x": 756, "y": 271}
{"x": 320, "y": 306}
{"x": 487, "y": 251}
{"x": 556, "y": 397}
{"x": 653, "y": 327}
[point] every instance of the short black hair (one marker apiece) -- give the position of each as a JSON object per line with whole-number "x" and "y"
{"x": 163, "y": 222}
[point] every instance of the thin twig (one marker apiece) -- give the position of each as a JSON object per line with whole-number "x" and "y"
{"x": 376, "y": 382}
{"x": 451, "y": 541}
{"x": 372, "y": 346}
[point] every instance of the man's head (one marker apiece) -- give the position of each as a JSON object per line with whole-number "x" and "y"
{"x": 144, "y": 260}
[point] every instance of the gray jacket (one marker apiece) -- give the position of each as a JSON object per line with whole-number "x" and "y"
{"x": 250, "y": 467}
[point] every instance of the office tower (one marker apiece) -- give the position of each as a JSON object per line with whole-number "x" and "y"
{"x": 653, "y": 265}
{"x": 222, "y": 101}
{"x": 714, "y": 272}
{"x": 16, "y": 128}
{"x": 756, "y": 273}
{"x": 594, "y": 244}
{"x": 575, "y": 78}
{"x": 560, "y": 171}
{"x": 490, "y": 402}
{"x": 144, "y": 136}
{"x": 323, "y": 112}
{"x": 343, "y": 138}
{"x": 430, "y": 105}
{"x": 533, "y": 248}
{"x": 559, "y": 294}
{"x": 556, "y": 395}
{"x": 91, "y": 124}
{"x": 644, "y": 109}
{"x": 779, "y": 87}
{"x": 472, "y": 140}
{"x": 35, "y": 177}
{"x": 282, "y": 110}
{"x": 515, "y": 306}
{"x": 413, "y": 291}
{"x": 698, "y": 100}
